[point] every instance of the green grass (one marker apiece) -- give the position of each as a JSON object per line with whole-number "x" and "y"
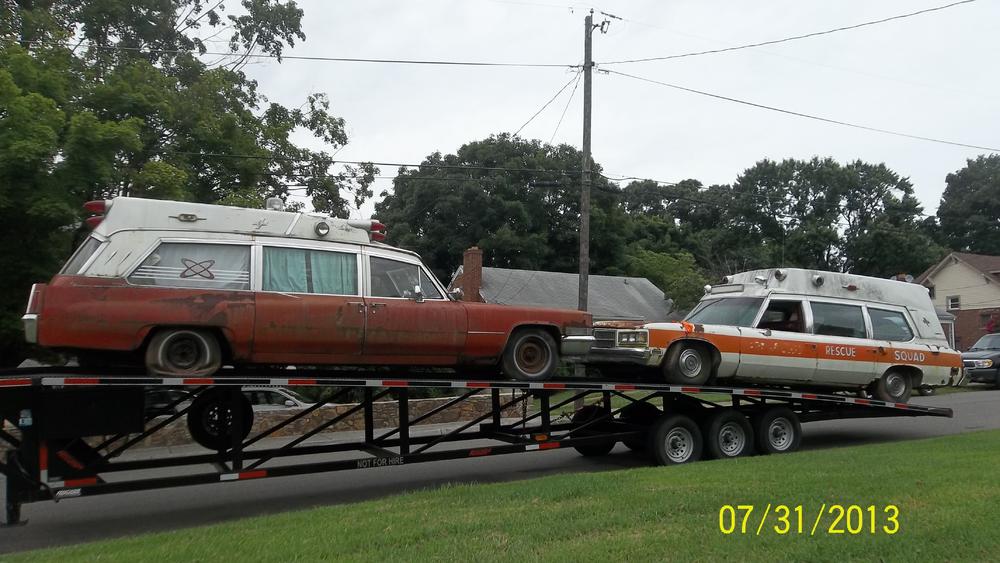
{"x": 947, "y": 491}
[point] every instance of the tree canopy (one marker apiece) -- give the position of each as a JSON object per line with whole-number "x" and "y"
{"x": 969, "y": 213}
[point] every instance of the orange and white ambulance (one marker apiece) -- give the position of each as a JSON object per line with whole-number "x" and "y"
{"x": 793, "y": 327}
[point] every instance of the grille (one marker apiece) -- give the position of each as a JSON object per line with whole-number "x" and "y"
{"x": 604, "y": 338}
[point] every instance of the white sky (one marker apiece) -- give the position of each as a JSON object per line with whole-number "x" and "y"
{"x": 932, "y": 75}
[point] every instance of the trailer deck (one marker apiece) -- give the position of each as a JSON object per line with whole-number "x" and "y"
{"x": 74, "y": 425}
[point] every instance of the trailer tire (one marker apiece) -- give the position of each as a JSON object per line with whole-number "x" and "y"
{"x": 640, "y": 414}
{"x": 531, "y": 355}
{"x": 894, "y": 386}
{"x": 210, "y": 419}
{"x": 183, "y": 352}
{"x": 586, "y": 414}
{"x": 675, "y": 439}
{"x": 688, "y": 364}
{"x": 778, "y": 431}
{"x": 728, "y": 434}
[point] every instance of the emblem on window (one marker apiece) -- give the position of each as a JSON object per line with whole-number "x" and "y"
{"x": 198, "y": 269}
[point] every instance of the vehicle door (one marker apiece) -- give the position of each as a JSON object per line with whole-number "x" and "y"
{"x": 779, "y": 347}
{"x": 309, "y": 307}
{"x": 846, "y": 354}
{"x": 894, "y": 333}
{"x": 410, "y": 319}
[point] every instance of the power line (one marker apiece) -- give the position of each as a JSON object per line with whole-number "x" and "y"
{"x": 805, "y": 115}
{"x": 565, "y": 109}
{"x": 792, "y": 38}
{"x": 546, "y": 104}
{"x": 321, "y": 58}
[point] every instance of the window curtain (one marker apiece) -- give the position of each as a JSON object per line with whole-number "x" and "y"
{"x": 334, "y": 273}
{"x": 285, "y": 270}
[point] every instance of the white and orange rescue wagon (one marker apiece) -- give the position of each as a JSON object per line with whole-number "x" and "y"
{"x": 799, "y": 328}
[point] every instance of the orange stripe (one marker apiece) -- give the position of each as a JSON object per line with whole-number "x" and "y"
{"x": 80, "y": 482}
{"x": 302, "y": 382}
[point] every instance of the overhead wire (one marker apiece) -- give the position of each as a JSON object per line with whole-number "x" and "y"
{"x": 576, "y": 84}
{"x": 546, "y": 104}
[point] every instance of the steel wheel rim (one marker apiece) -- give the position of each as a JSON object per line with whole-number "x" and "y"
{"x": 780, "y": 433}
{"x": 732, "y": 439}
{"x": 690, "y": 363}
{"x": 212, "y": 419}
{"x": 183, "y": 351}
{"x": 678, "y": 444}
{"x": 532, "y": 356}
{"x": 895, "y": 384}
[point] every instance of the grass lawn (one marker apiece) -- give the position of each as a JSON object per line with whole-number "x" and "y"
{"x": 947, "y": 491}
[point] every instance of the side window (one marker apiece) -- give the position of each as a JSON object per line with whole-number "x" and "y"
{"x": 80, "y": 257}
{"x": 833, "y": 319}
{"x": 890, "y": 325}
{"x": 195, "y": 265}
{"x": 391, "y": 278}
{"x": 297, "y": 270}
{"x": 783, "y": 315}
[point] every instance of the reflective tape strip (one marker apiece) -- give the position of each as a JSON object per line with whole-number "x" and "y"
{"x": 14, "y": 382}
{"x": 199, "y": 381}
{"x": 243, "y": 475}
{"x": 531, "y": 447}
{"x": 81, "y": 381}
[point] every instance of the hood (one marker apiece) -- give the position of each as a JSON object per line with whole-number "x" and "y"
{"x": 569, "y": 317}
{"x": 981, "y": 355}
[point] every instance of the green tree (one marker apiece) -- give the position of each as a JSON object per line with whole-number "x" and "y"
{"x": 516, "y": 199}
{"x": 109, "y": 98}
{"x": 677, "y": 275}
{"x": 970, "y": 207}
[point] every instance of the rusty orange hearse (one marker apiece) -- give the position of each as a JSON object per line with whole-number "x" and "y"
{"x": 186, "y": 288}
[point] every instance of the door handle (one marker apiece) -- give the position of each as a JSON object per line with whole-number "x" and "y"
{"x": 375, "y": 306}
{"x": 359, "y": 304}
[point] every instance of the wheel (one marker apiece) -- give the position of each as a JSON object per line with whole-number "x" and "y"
{"x": 210, "y": 419}
{"x": 531, "y": 355}
{"x": 183, "y": 352}
{"x": 777, "y": 430}
{"x": 727, "y": 434}
{"x": 674, "y": 439}
{"x": 640, "y": 414}
{"x": 894, "y": 387}
{"x": 925, "y": 391}
{"x": 688, "y": 364}
{"x": 586, "y": 414}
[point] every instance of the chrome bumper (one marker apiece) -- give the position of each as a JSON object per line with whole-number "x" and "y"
{"x": 576, "y": 345}
{"x": 30, "y": 322}
{"x": 621, "y": 355}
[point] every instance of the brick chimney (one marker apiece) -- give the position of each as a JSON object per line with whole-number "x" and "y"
{"x": 472, "y": 273}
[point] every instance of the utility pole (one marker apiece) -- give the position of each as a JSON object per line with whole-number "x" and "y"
{"x": 588, "y": 64}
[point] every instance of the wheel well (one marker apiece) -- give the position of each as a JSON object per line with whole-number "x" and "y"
{"x": 553, "y": 331}
{"x": 716, "y": 355}
{"x": 220, "y": 335}
{"x": 915, "y": 374}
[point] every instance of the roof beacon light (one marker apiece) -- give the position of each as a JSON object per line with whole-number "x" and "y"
{"x": 322, "y": 229}
{"x": 274, "y": 204}
{"x": 93, "y": 222}
{"x": 97, "y": 206}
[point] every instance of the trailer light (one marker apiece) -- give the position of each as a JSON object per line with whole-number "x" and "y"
{"x": 322, "y": 229}
{"x": 93, "y": 222}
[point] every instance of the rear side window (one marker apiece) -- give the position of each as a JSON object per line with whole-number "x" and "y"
{"x": 890, "y": 325}
{"x": 833, "y": 319}
{"x": 80, "y": 257}
{"x": 295, "y": 270}
{"x": 195, "y": 265}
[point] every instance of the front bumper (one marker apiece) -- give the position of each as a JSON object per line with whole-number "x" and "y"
{"x": 576, "y": 345}
{"x": 30, "y": 322}
{"x": 983, "y": 375}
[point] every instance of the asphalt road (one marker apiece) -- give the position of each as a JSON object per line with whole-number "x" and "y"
{"x": 87, "y": 519}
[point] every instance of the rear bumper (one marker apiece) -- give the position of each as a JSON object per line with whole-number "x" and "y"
{"x": 30, "y": 322}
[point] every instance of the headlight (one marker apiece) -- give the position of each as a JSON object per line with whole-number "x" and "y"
{"x": 982, "y": 363}
{"x": 633, "y": 338}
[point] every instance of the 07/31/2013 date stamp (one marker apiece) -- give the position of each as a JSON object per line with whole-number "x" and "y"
{"x": 831, "y": 519}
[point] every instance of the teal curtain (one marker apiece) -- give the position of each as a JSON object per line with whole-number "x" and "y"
{"x": 334, "y": 273}
{"x": 285, "y": 270}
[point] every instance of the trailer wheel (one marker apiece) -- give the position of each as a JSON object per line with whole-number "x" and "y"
{"x": 894, "y": 387}
{"x": 688, "y": 364}
{"x": 675, "y": 439}
{"x": 531, "y": 355}
{"x": 728, "y": 434}
{"x": 640, "y": 414}
{"x": 778, "y": 431}
{"x": 210, "y": 419}
{"x": 183, "y": 352}
{"x": 584, "y": 415}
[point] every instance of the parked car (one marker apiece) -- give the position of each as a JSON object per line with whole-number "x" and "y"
{"x": 798, "y": 328}
{"x": 275, "y": 398}
{"x": 184, "y": 288}
{"x": 166, "y": 401}
{"x": 982, "y": 361}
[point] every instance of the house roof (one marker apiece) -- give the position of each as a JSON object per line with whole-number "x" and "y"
{"x": 609, "y": 297}
{"x": 988, "y": 265}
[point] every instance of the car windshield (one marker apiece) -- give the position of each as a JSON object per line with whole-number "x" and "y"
{"x": 988, "y": 342}
{"x": 733, "y": 311}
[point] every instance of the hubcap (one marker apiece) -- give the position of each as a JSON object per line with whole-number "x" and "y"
{"x": 690, "y": 363}
{"x": 532, "y": 356}
{"x": 732, "y": 439}
{"x": 780, "y": 433}
{"x": 895, "y": 383}
{"x": 679, "y": 445}
{"x": 183, "y": 352}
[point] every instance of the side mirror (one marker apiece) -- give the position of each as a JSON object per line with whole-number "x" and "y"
{"x": 289, "y": 403}
{"x": 457, "y": 294}
{"x": 418, "y": 295}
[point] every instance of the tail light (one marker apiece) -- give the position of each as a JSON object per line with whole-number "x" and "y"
{"x": 376, "y": 229}
{"x": 98, "y": 206}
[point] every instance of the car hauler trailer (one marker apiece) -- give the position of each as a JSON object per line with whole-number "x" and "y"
{"x": 74, "y": 425}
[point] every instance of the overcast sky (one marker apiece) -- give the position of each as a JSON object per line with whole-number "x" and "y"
{"x": 932, "y": 75}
